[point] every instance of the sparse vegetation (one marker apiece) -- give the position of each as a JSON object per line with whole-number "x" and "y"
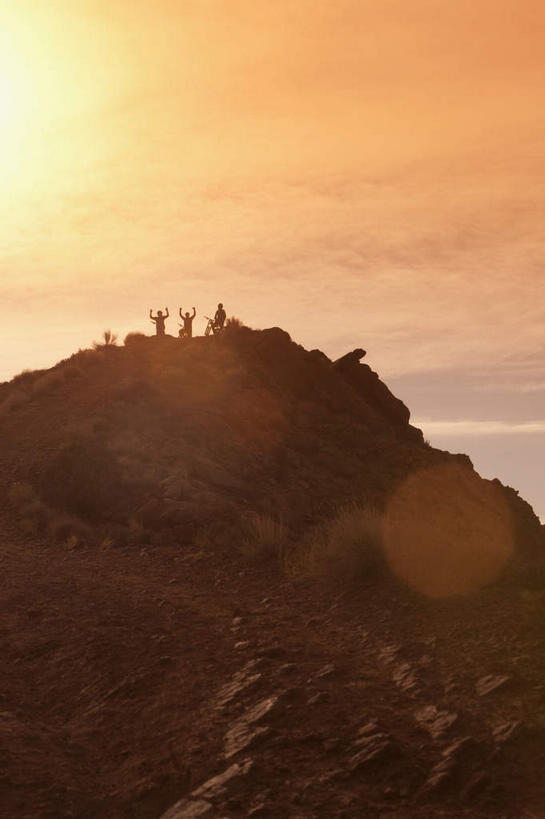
{"x": 29, "y": 385}
{"x": 234, "y": 323}
{"x": 36, "y": 517}
{"x": 348, "y": 547}
{"x": 64, "y": 527}
{"x": 87, "y": 359}
{"x": 109, "y": 339}
{"x": 265, "y": 537}
{"x": 25, "y": 377}
{"x": 135, "y": 339}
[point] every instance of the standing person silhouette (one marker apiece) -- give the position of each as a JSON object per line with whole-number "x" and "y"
{"x": 219, "y": 318}
{"x": 159, "y": 321}
{"x": 187, "y": 329}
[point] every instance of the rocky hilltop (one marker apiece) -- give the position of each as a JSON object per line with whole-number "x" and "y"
{"x": 238, "y": 582}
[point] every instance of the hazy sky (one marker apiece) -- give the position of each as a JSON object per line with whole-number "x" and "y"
{"x": 361, "y": 172}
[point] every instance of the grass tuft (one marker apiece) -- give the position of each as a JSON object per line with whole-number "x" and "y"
{"x": 109, "y": 339}
{"x": 265, "y": 537}
{"x": 347, "y": 548}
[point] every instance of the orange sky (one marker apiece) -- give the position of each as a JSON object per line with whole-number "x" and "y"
{"x": 360, "y": 172}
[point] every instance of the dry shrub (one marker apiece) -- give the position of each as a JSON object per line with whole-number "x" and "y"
{"x": 89, "y": 358}
{"x": 264, "y": 537}
{"x": 30, "y": 384}
{"x": 66, "y": 527}
{"x": 135, "y": 339}
{"x": 233, "y": 323}
{"x": 346, "y": 548}
{"x": 25, "y": 378}
{"x": 109, "y": 339}
{"x": 35, "y": 517}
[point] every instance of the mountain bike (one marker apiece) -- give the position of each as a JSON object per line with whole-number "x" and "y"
{"x": 212, "y": 327}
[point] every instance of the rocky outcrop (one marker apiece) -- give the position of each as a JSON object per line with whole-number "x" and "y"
{"x": 367, "y": 383}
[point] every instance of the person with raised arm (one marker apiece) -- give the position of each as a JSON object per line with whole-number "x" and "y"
{"x": 186, "y": 330}
{"x": 159, "y": 321}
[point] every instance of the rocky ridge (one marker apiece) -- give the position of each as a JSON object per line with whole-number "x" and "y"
{"x": 156, "y": 665}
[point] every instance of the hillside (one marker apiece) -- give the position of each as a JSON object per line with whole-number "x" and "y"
{"x": 234, "y": 557}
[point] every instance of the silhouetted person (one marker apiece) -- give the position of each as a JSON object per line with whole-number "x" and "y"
{"x": 159, "y": 321}
{"x": 187, "y": 329}
{"x": 219, "y": 318}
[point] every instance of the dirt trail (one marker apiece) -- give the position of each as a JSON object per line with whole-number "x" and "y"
{"x": 142, "y": 683}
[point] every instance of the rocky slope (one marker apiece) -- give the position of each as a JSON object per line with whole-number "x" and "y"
{"x": 185, "y": 682}
{"x": 169, "y": 646}
{"x": 187, "y": 439}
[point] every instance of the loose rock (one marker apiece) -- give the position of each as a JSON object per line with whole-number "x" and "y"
{"x": 434, "y": 721}
{"x": 374, "y": 747}
{"x": 486, "y": 685}
{"x": 405, "y": 679}
{"x": 244, "y": 732}
{"x": 216, "y": 786}
{"x": 241, "y": 681}
{"x": 325, "y": 671}
{"x": 188, "y": 809}
{"x": 507, "y": 731}
{"x": 458, "y": 762}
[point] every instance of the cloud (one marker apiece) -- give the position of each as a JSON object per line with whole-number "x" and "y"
{"x": 347, "y": 172}
{"x": 470, "y": 428}
{"x": 340, "y": 259}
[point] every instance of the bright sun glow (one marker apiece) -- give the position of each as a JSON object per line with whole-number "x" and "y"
{"x": 16, "y": 109}
{"x": 15, "y": 88}
{"x": 53, "y": 88}
{"x": 7, "y": 101}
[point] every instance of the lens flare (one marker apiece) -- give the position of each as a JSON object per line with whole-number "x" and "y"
{"x": 447, "y": 532}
